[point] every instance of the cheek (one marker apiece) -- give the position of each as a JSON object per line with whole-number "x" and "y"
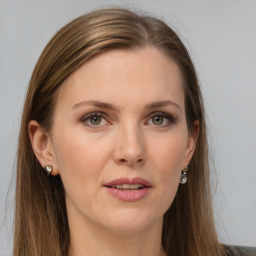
{"x": 168, "y": 158}
{"x": 169, "y": 153}
{"x": 78, "y": 161}
{"x": 74, "y": 150}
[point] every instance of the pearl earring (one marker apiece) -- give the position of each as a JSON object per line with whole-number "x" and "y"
{"x": 48, "y": 169}
{"x": 184, "y": 178}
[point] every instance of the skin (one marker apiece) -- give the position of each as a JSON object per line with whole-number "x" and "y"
{"x": 125, "y": 142}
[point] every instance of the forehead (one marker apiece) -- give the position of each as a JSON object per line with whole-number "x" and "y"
{"x": 126, "y": 76}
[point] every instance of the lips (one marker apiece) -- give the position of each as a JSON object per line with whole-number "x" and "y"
{"x": 133, "y": 181}
{"x": 125, "y": 183}
{"x": 129, "y": 189}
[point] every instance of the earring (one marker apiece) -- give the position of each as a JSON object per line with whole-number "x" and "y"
{"x": 184, "y": 178}
{"x": 48, "y": 169}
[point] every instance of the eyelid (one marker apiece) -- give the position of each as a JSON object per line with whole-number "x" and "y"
{"x": 169, "y": 117}
{"x": 91, "y": 114}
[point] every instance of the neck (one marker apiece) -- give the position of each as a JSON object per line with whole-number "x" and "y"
{"x": 92, "y": 240}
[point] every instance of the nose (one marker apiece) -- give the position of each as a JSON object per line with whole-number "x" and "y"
{"x": 130, "y": 148}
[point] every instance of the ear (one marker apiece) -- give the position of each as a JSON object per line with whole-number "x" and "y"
{"x": 191, "y": 145}
{"x": 42, "y": 146}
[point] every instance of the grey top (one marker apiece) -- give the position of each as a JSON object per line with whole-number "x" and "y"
{"x": 241, "y": 251}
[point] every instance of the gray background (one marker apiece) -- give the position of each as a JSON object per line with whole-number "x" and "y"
{"x": 221, "y": 37}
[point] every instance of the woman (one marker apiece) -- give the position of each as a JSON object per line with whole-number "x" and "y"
{"x": 112, "y": 156}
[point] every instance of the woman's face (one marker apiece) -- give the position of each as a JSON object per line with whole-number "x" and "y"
{"x": 119, "y": 139}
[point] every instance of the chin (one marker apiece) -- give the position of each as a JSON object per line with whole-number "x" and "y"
{"x": 133, "y": 221}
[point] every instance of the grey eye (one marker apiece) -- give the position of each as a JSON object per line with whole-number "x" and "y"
{"x": 157, "y": 120}
{"x": 95, "y": 120}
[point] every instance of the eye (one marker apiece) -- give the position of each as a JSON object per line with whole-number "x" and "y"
{"x": 161, "y": 119}
{"x": 94, "y": 119}
{"x": 157, "y": 120}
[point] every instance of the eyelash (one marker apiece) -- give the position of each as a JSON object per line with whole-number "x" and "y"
{"x": 87, "y": 117}
{"x": 170, "y": 119}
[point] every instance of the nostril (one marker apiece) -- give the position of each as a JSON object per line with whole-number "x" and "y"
{"x": 125, "y": 161}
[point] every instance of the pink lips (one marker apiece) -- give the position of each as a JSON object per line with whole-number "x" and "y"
{"x": 129, "y": 195}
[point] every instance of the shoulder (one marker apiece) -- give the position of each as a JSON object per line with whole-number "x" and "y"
{"x": 240, "y": 251}
{"x": 245, "y": 250}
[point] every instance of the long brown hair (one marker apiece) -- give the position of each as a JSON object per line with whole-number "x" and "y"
{"x": 41, "y": 224}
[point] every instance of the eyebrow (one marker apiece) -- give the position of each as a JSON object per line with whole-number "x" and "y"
{"x": 163, "y": 104}
{"x": 109, "y": 106}
{"x": 95, "y": 103}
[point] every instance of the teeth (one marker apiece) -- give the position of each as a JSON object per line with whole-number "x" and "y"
{"x": 128, "y": 186}
{"x": 118, "y": 186}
